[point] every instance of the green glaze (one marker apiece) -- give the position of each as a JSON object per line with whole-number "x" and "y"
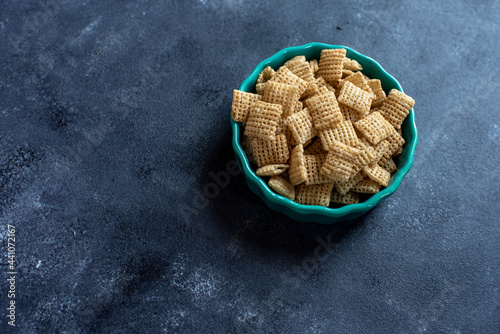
{"x": 318, "y": 214}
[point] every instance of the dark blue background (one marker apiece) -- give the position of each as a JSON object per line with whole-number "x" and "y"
{"x": 113, "y": 114}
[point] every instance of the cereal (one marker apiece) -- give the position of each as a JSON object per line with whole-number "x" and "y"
{"x": 300, "y": 67}
{"x": 342, "y": 132}
{"x": 315, "y": 148}
{"x": 301, "y": 126}
{"x": 265, "y": 75}
{"x": 349, "y": 198}
{"x": 351, "y": 64}
{"x": 331, "y": 63}
{"x": 366, "y": 186}
{"x": 396, "y": 142}
{"x": 284, "y": 75}
{"x": 268, "y": 152}
{"x": 349, "y": 114}
{"x": 356, "y": 98}
{"x": 374, "y": 127}
{"x": 260, "y": 87}
{"x": 321, "y": 82}
{"x": 271, "y": 170}
{"x": 344, "y": 187}
{"x": 376, "y": 87}
{"x": 242, "y": 101}
{"x": 389, "y": 166}
{"x": 297, "y": 171}
{"x": 318, "y": 194}
{"x": 324, "y": 110}
{"x": 283, "y": 94}
{"x": 346, "y": 73}
{"x": 396, "y": 107}
{"x": 313, "y": 167}
{"x": 359, "y": 81}
{"x": 313, "y": 64}
{"x": 263, "y": 120}
{"x": 280, "y": 185}
{"x": 377, "y": 174}
{"x": 340, "y": 162}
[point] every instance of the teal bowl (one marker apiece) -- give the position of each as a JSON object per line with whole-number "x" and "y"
{"x": 313, "y": 213}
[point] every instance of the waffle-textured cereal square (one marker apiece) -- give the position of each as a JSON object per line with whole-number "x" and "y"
{"x": 377, "y": 174}
{"x": 374, "y": 127}
{"x": 359, "y": 81}
{"x": 268, "y": 152}
{"x": 390, "y": 166}
{"x": 396, "y": 107}
{"x": 376, "y": 87}
{"x": 344, "y": 187}
{"x": 284, "y": 75}
{"x": 347, "y": 199}
{"x": 355, "y": 98}
{"x": 351, "y": 64}
{"x": 271, "y": 170}
{"x": 340, "y": 162}
{"x": 343, "y": 132}
{"x": 281, "y": 186}
{"x": 282, "y": 94}
{"x": 367, "y": 186}
{"x": 317, "y": 194}
{"x": 324, "y": 110}
{"x": 313, "y": 167}
{"x": 331, "y": 63}
{"x": 301, "y": 126}
{"x": 263, "y": 120}
{"x": 242, "y": 101}
{"x": 297, "y": 171}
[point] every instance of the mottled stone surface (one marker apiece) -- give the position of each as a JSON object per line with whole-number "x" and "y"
{"x": 113, "y": 114}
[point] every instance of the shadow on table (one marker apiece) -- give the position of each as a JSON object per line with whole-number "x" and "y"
{"x": 245, "y": 216}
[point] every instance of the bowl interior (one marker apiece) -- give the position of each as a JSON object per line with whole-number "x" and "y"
{"x": 317, "y": 213}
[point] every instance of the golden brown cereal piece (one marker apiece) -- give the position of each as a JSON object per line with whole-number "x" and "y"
{"x": 313, "y": 64}
{"x": 396, "y": 143}
{"x": 398, "y": 152}
{"x": 349, "y": 114}
{"x": 246, "y": 145}
{"x": 242, "y": 101}
{"x": 284, "y": 75}
{"x": 331, "y": 63}
{"x": 282, "y": 127}
{"x": 297, "y": 171}
{"x": 381, "y": 149}
{"x": 367, "y": 186}
{"x": 351, "y": 64}
{"x": 265, "y": 75}
{"x": 321, "y": 82}
{"x": 318, "y": 194}
{"x": 301, "y": 126}
{"x": 376, "y": 87}
{"x": 281, "y": 186}
{"x": 344, "y": 187}
{"x": 295, "y": 60}
{"x": 346, "y": 73}
{"x": 340, "y": 162}
{"x": 283, "y": 94}
{"x": 377, "y": 174}
{"x": 263, "y": 120}
{"x": 390, "y": 166}
{"x": 359, "y": 81}
{"x": 355, "y": 98}
{"x": 300, "y": 67}
{"x": 365, "y": 157}
{"x": 313, "y": 167}
{"x": 315, "y": 148}
{"x": 374, "y": 127}
{"x": 396, "y": 107}
{"x": 342, "y": 132}
{"x": 375, "y": 109}
{"x": 260, "y": 87}
{"x": 268, "y": 152}
{"x": 298, "y": 106}
{"x": 324, "y": 110}
{"x": 271, "y": 170}
{"x": 349, "y": 198}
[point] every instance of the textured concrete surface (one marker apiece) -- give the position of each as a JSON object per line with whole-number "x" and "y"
{"x": 114, "y": 114}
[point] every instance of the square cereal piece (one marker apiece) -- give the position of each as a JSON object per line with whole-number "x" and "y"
{"x": 344, "y": 187}
{"x": 389, "y": 166}
{"x": 297, "y": 171}
{"x": 347, "y": 199}
{"x": 324, "y": 110}
{"x": 282, "y": 94}
{"x": 284, "y": 75}
{"x": 282, "y": 127}
{"x": 263, "y": 120}
{"x": 300, "y": 67}
{"x": 313, "y": 167}
{"x": 318, "y": 194}
{"x": 331, "y": 63}
{"x": 281, "y": 186}
{"x": 268, "y": 152}
{"x": 313, "y": 64}
{"x": 265, "y": 75}
{"x": 301, "y": 126}
{"x": 377, "y": 174}
{"x": 359, "y": 81}
{"x": 396, "y": 143}
{"x": 271, "y": 170}
{"x": 315, "y": 148}
{"x": 298, "y": 106}
{"x": 365, "y": 157}
{"x": 242, "y": 101}
{"x": 342, "y": 132}
{"x": 355, "y": 98}
{"x": 349, "y": 114}
{"x": 340, "y": 162}
{"x": 321, "y": 82}
{"x": 396, "y": 107}
{"x": 376, "y": 87}
{"x": 351, "y": 64}
{"x": 260, "y": 87}
{"x": 374, "y": 127}
{"x": 381, "y": 149}
{"x": 367, "y": 186}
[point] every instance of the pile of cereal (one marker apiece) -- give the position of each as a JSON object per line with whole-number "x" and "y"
{"x": 322, "y": 131}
